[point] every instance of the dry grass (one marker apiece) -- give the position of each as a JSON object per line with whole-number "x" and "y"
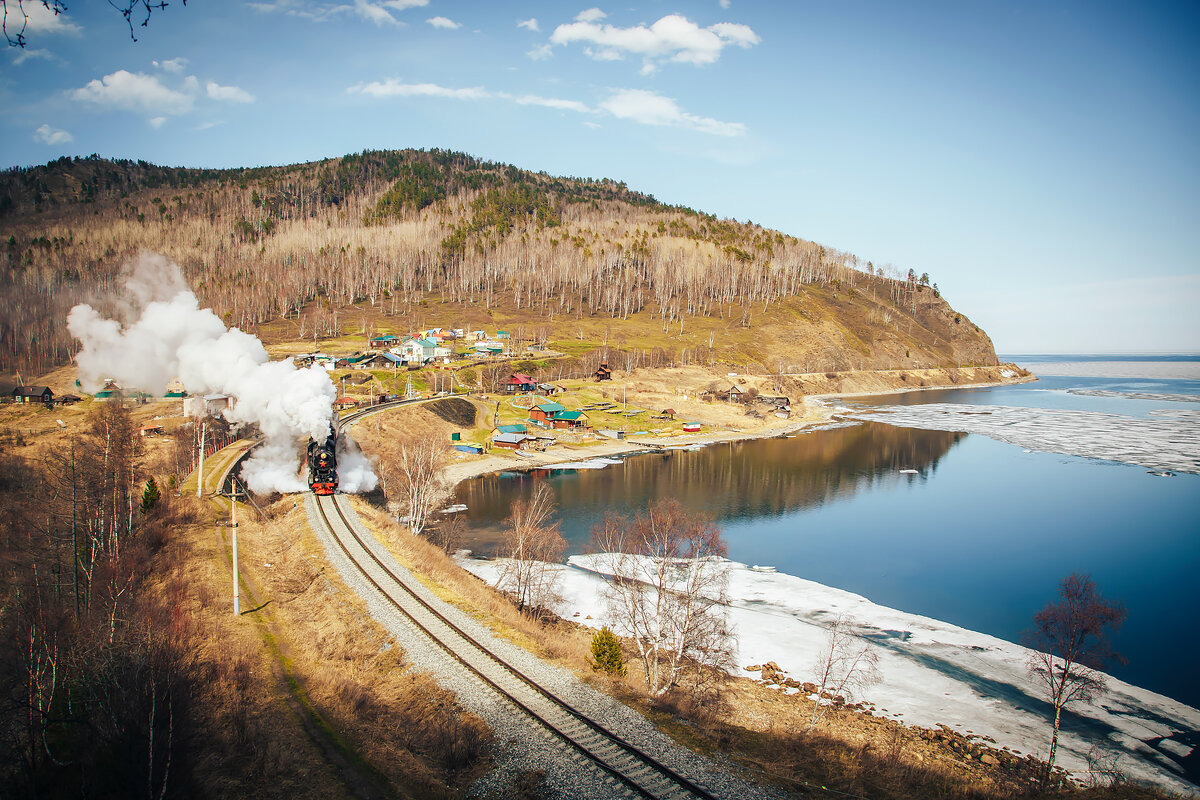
{"x": 304, "y": 695}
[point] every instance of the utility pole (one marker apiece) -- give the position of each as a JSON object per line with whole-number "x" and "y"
{"x": 233, "y": 527}
{"x": 200, "y": 468}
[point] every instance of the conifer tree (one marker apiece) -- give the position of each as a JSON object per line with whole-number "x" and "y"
{"x": 606, "y": 653}
{"x": 150, "y": 495}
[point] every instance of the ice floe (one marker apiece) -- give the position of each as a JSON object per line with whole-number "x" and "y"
{"x": 591, "y": 463}
{"x": 1166, "y": 440}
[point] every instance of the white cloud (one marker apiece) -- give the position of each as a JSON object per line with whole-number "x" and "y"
{"x": 529, "y": 24}
{"x": 133, "y": 91}
{"x": 650, "y": 108}
{"x": 22, "y": 54}
{"x": 634, "y": 105}
{"x": 171, "y": 65}
{"x": 39, "y": 19}
{"x": 672, "y": 38}
{"x": 541, "y": 53}
{"x": 723, "y": 4}
{"x": 374, "y": 13}
{"x": 590, "y": 15}
{"x": 443, "y": 22}
{"x": 47, "y": 135}
{"x": 551, "y": 102}
{"x": 393, "y": 87}
{"x": 156, "y": 122}
{"x": 232, "y": 93}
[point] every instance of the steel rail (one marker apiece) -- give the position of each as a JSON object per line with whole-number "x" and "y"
{"x": 633, "y": 767}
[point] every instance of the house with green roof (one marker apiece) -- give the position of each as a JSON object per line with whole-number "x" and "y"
{"x": 543, "y": 412}
{"x": 569, "y": 419}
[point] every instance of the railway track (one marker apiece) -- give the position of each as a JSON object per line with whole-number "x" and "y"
{"x": 640, "y": 774}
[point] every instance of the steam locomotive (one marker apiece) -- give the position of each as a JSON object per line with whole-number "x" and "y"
{"x": 322, "y": 464}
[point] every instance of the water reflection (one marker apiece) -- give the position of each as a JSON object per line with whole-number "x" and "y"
{"x": 736, "y": 481}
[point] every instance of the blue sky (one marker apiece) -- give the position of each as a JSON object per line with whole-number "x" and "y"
{"x": 1039, "y": 160}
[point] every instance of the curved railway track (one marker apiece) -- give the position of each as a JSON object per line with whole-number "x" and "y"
{"x": 640, "y": 773}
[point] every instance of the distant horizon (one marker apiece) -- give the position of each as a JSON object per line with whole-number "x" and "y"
{"x": 1127, "y": 354}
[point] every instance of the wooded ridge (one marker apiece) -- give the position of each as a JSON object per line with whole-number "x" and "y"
{"x": 444, "y": 233}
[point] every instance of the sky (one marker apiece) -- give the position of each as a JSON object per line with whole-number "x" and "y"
{"x": 1038, "y": 159}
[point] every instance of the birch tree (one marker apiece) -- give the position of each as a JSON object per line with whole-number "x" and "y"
{"x": 533, "y": 548}
{"x": 667, "y": 590}
{"x": 413, "y": 471}
{"x": 845, "y": 666}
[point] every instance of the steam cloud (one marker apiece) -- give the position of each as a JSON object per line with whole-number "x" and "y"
{"x": 165, "y": 335}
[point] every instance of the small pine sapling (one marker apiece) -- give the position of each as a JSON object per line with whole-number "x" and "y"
{"x": 150, "y": 495}
{"x": 606, "y": 653}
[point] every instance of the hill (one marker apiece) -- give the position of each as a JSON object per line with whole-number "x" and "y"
{"x": 388, "y": 240}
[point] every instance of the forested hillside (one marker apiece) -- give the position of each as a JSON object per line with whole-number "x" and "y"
{"x": 315, "y": 244}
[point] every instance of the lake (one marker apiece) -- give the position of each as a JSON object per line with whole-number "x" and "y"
{"x": 979, "y": 536}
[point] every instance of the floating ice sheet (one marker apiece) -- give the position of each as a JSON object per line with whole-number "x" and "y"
{"x": 1167, "y": 440}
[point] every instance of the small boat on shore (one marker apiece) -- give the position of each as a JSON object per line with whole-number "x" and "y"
{"x": 454, "y": 509}
{"x": 691, "y": 427}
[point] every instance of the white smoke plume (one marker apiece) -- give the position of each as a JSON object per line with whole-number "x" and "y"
{"x": 166, "y": 335}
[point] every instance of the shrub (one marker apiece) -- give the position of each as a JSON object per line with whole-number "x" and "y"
{"x": 606, "y": 653}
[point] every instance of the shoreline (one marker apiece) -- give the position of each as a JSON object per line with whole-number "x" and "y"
{"x": 816, "y": 414}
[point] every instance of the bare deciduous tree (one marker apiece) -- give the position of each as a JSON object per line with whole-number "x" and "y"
{"x": 668, "y": 589}
{"x": 412, "y": 471}
{"x": 1069, "y": 646}
{"x": 533, "y": 547}
{"x": 845, "y": 666}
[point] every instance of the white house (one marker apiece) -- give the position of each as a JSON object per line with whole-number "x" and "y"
{"x": 418, "y": 350}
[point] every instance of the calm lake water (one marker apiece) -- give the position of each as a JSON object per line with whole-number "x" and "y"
{"x": 979, "y": 537}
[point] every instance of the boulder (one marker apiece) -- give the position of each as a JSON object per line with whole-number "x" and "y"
{"x": 989, "y": 759}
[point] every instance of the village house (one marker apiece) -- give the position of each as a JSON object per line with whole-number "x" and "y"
{"x": 734, "y": 394}
{"x": 109, "y": 391}
{"x": 542, "y": 413}
{"x": 385, "y": 341}
{"x": 510, "y": 441}
{"x": 603, "y": 373}
{"x": 520, "y": 382}
{"x": 569, "y": 419}
{"x": 175, "y": 390}
{"x": 419, "y": 351}
{"x": 515, "y": 428}
{"x": 210, "y": 405}
{"x": 488, "y": 348}
{"x": 379, "y": 361}
{"x": 33, "y": 394}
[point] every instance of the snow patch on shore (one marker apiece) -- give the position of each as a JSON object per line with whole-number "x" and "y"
{"x": 933, "y": 672}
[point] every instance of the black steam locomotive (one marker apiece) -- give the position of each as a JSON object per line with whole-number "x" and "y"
{"x": 322, "y": 464}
